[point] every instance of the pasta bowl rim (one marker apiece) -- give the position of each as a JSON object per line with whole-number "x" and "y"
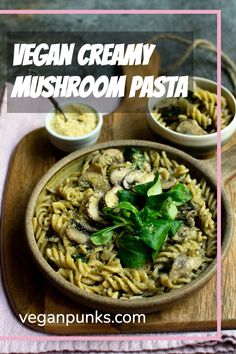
{"x": 186, "y": 139}
{"x": 143, "y": 305}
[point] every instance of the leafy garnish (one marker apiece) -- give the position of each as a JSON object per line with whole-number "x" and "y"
{"x": 147, "y": 214}
{"x": 180, "y": 194}
{"x": 102, "y": 238}
{"x": 155, "y": 233}
{"x": 156, "y": 188}
{"x": 150, "y": 188}
{"x": 79, "y": 256}
{"x": 128, "y": 196}
{"x": 168, "y": 209}
{"x": 144, "y": 218}
{"x": 133, "y": 252}
{"x": 175, "y": 225}
{"x": 130, "y": 212}
{"x": 135, "y": 156}
{"x": 104, "y": 235}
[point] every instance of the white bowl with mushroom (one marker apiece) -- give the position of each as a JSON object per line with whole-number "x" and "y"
{"x": 188, "y": 134}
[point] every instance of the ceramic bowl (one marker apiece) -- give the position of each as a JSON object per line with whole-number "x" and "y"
{"x": 66, "y": 166}
{"x": 195, "y": 144}
{"x": 72, "y": 143}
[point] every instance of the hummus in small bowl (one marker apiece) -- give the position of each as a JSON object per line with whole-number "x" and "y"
{"x": 81, "y": 127}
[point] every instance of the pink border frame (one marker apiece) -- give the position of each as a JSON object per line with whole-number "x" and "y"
{"x": 218, "y": 334}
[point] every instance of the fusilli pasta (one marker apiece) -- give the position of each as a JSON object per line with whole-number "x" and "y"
{"x": 194, "y": 115}
{"x": 98, "y": 269}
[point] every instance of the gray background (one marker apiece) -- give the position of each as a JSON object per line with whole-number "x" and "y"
{"x": 203, "y": 26}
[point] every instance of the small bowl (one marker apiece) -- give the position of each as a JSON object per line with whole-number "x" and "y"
{"x": 197, "y": 144}
{"x": 72, "y": 143}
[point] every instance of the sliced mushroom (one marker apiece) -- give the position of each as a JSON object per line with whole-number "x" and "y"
{"x": 76, "y": 235}
{"x": 137, "y": 177}
{"x": 165, "y": 102}
{"x": 168, "y": 184}
{"x": 188, "y": 213}
{"x": 181, "y": 233}
{"x": 111, "y": 199}
{"x": 183, "y": 266}
{"x": 184, "y": 231}
{"x": 82, "y": 222}
{"x": 94, "y": 167}
{"x": 94, "y": 180}
{"x": 191, "y": 127}
{"x": 118, "y": 174}
{"x": 109, "y": 157}
{"x": 113, "y": 156}
{"x": 93, "y": 207}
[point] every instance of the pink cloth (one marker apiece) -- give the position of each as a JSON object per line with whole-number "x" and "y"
{"x": 12, "y": 128}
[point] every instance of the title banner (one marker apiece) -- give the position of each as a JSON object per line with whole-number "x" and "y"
{"x": 85, "y": 66}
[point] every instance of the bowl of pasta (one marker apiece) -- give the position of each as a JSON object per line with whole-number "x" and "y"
{"x": 191, "y": 122}
{"x": 127, "y": 226}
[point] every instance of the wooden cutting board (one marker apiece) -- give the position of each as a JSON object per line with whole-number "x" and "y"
{"x": 29, "y": 292}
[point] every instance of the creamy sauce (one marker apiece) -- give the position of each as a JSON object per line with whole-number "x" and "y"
{"x": 81, "y": 120}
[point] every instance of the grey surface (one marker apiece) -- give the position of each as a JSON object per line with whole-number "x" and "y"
{"x": 203, "y": 26}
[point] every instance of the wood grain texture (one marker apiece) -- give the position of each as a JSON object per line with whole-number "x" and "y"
{"x": 29, "y": 292}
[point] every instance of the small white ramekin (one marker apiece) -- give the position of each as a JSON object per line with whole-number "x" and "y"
{"x": 72, "y": 143}
{"x": 196, "y": 144}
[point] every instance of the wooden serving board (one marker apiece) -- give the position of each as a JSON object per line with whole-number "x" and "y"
{"x": 29, "y": 292}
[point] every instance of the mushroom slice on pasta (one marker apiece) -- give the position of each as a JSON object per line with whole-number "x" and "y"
{"x": 183, "y": 266}
{"x": 191, "y": 127}
{"x": 118, "y": 174}
{"x": 111, "y": 199}
{"x": 77, "y": 235}
{"x": 137, "y": 177}
{"x": 94, "y": 180}
{"x": 93, "y": 210}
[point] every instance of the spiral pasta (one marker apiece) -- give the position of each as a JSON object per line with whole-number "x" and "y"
{"x": 98, "y": 269}
{"x": 194, "y": 115}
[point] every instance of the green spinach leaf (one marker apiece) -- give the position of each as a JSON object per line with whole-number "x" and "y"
{"x": 133, "y": 252}
{"x": 180, "y": 194}
{"x": 130, "y": 212}
{"x": 148, "y": 215}
{"x": 175, "y": 225}
{"x": 135, "y": 156}
{"x": 101, "y": 238}
{"x": 144, "y": 217}
{"x": 155, "y": 233}
{"x": 149, "y": 188}
{"x": 128, "y": 196}
{"x": 168, "y": 209}
{"x": 156, "y": 188}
